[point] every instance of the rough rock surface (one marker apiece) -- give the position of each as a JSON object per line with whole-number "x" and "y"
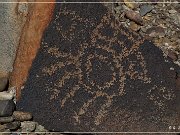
{"x": 22, "y": 116}
{"x": 37, "y": 20}
{"x": 12, "y": 20}
{"x": 92, "y": 74}
{"x": 6, "y": 108}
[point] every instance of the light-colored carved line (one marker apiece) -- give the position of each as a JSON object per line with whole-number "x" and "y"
{"x": 85, "y": 106}
{"x": 103, "y": 111}
{"x": 52, "y": 69}
{"x": 69, "y": 95}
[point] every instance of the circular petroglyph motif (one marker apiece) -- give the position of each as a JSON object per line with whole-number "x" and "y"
{"x": 96, "y": 66}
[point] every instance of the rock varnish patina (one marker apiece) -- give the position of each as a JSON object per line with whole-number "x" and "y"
{"x": 92, "y": 74}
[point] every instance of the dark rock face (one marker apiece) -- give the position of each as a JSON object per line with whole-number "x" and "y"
{"x": 92, "y": 74}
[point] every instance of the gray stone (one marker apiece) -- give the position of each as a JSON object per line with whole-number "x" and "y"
{"x": 28, "y": 126}
{"x": 6, "y": 95}
{"x": 2, "y": 128}
{"x": 40, "y": 128}
{"x": 22, "y": 116}
{"x": 131, "y": 4}
{"x": 6, "y": 108}
{"x": 177, "y": 18}
{"x": 156, "y": 31}
{"x": 12, "y": 20}
{"x": 172, "y": 11}
{"x": 6, "y": 119}
{"x": 3, "y": 83}
{"x": 13, "y": 125}
{"x": 144, "y": 9}
{"x": 118, "y": 9}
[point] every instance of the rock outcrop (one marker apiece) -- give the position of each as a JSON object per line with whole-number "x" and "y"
{"x": 92, "y": 74}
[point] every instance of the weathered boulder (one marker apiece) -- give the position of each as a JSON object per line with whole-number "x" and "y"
{"x": 92, "y": 74}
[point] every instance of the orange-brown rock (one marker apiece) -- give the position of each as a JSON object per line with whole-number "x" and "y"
{"x": 38, "y": 19}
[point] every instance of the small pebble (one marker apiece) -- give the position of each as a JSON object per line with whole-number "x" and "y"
{"x": 3, "y": 83}
{"x": 28, "y": 126}
{"x": 143, "y": 29}
{"x": 172, "y": 55}
{"x": 2, "y": 128}
{"x": 156, "y": 31}
{"x": 22, "y": 116}
{"x": 6, "y": 108}
{"x": 118, "y": 9}
{"x": 134, "y": 26}
{"x": 176, "y": 17}
{"x": 132, "y": 15}
{"x": 172, "y": 11}
{"x": 40, "y": 128}
{"x": 22, "y": 9}
{"x": 144, "y": 9}
{"x": 13, "y": 125}
{"x": 131, "y": 4}
{"x": 6, "y": 119}
{"x": 6, "y": 95}
{"x": 154, "y": 11}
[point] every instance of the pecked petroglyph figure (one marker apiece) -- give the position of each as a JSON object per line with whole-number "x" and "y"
{"x": 92, "y": 74}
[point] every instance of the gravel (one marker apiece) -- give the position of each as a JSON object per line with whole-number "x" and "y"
{"x": 161, "y": 22}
